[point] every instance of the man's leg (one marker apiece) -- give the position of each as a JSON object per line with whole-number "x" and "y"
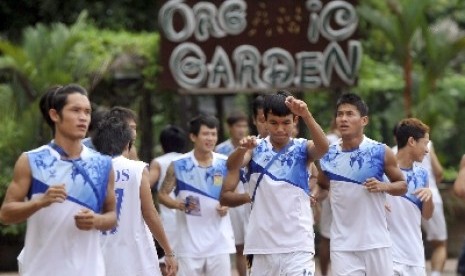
{"x": 461, "y": 262}
{"x": 241, "y": 263}
{"x": 438, "y": 257}
{"x": 324, "y": 255}
{"x": 436, "y": 234}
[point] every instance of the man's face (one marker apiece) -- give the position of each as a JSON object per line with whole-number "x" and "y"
{"x": 420, "y": 148}
{"x": 349, "y": 122}
{"x": 280, "y": 128}
{"x": 259, "y": 122}
{"x": 133, "y": 126}
{"x": 239, "y": 130}
{"x": 74, "y": 119}
{"x": 206, "y": 139}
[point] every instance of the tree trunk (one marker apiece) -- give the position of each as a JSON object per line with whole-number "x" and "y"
{"x": 146, "y": 127}
{"x": 408, "y": 85}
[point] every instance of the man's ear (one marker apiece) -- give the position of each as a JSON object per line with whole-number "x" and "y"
{"x": 54, "y": 116}
{"x": 193, "y": 137}
{"x": 411, "y": 141}
{"x": 365, "y": 120}
{"x": 261, "y": 119}
{"x": 296, "y": 120}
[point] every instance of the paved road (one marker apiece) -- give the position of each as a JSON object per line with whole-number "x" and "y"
{"x": 449, "y": 270}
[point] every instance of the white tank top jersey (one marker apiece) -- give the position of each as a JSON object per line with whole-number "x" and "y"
{"x": 404, "y": 220}
{"x": 202, "y": 232}
{"x": 359, "y": 217}
{"x": 168, "y": 216}
{"x": 225, "y": 148}
{"x": 53, "y": 244}
{"x": 281, "y": 217}
{"x": 426, "y": 163}
{"x": 129, "y": 248}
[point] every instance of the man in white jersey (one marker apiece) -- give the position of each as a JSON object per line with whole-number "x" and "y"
{"x": 406, "y": 212}
{"x": 128, "y": 248}
{"x": 436, "y": 227}
{"x": 205, "y": 236}
{"x": 173, "y": 141}
{"x": 459, "y": 189}
{"x": 326, "y": 215}
{"x": 238, "y": 128}
{"x": 354, "y": 168}
{"x": 65, "y": 192}
{"x": 280, "y": 231}
{"x": 236, "y": 190}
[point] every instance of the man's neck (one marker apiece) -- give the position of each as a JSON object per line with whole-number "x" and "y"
{"x": 350, "y": 143}
{"x": 203, "y": 158}
{"x": 403, "y": 159}
{"x": 235, "y": 142}
{"x": 279, "y": 146}
{"x": 72, "y": 147}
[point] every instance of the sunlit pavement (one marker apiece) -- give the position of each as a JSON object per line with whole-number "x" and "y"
{"x": 449, "y": 269}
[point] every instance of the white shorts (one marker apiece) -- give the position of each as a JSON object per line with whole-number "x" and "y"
{"x": 210, "y": 266}
{"x": 376, "y": 261}
{"x": 408, "y": 270}
{"x": 238, "y": 221}
{"x": 325, "y": 218}
{"x": 293, "y": 264}
{"x": 435, "y": 227}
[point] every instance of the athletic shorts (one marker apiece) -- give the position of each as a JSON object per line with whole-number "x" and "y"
{"x": 435, "y": 227}
{"x": 408, "y": 270}
{"x": 376, "y": 261}
{"x": 295, "y": 263}
{"x": 214, "y": 265}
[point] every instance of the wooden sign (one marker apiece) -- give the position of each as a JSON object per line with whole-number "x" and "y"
{"x": 236, "y": 45}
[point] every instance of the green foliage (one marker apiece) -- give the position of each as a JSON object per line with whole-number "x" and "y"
{"x": 112, "y": 14}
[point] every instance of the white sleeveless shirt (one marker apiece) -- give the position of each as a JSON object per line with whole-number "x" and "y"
{"x": 281, "y": 217}
{"x": 202, "y": 232}
{"x": 404, "y": 220}
{"x": 359, "y": 217}
{"x": 129, "y": 248}
{"x": 53, "y": 244}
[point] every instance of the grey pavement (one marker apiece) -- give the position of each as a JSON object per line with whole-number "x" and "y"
{"x": 449, "y": 269}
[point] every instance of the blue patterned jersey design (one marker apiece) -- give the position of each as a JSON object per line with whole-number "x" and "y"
{"x": 225, "y": 148}
{"x": 290, "y": 166}
{"x": 417, "y": 178}
{"x": 206, "y": 181}
{"x": 85, "y": 179}
{"x": 355, "y": 166}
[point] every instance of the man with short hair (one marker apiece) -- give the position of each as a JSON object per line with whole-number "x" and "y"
{"x": 173, "y": 141}
{"x": 65, "y": 192}
{"x": 406, "y": 212}
{"x": 280, "y": 231}
{"x": 238, "y": 128}
{"x": 354, "y": 167}
{"x": 205, "y": 237}
{"x": 128, "y": 248}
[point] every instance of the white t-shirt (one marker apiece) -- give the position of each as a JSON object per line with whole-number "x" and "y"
{"x": 404, "y": 220}
{"x": 202, "y": 232}
{"x": 53, "y": 244}
{"x": 359, "y": 217}
{"x": 281, "y": 217}
{"x": 129, "y": 248}
{"x": 168, "y": 216}
{"x": 426, "y": 163}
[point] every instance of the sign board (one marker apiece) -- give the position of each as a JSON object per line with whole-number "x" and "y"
{"x": 233, "y": 46}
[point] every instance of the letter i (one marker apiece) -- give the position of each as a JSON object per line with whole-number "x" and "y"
{"x": 313, "y": 22}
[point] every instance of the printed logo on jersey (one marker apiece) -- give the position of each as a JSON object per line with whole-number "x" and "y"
{"x": 217, "y": 179}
